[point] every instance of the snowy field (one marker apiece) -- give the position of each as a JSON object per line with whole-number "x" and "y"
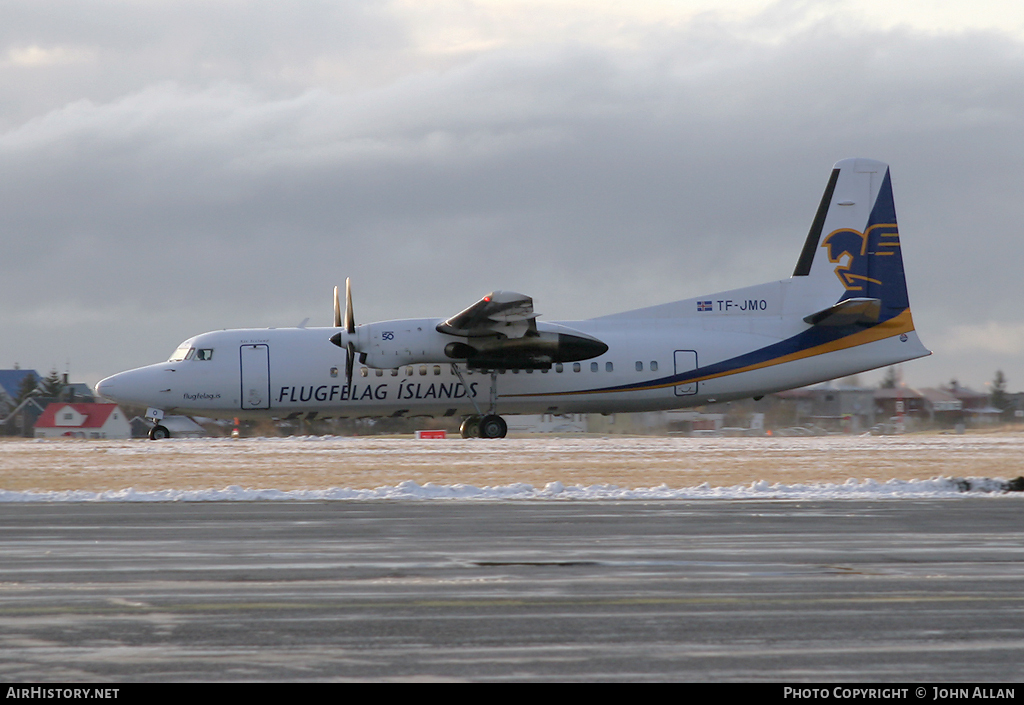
{"x": 319, "y": 468}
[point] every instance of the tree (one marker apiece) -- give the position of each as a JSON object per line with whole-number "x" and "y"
{"x": 29, "y": 387}
{"x": 890, "y": 380}
{"x": 53, "y": 385}
{"x": 999, "y": 398}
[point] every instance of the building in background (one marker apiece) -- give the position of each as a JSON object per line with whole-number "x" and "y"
{"x": 67, "y": 420}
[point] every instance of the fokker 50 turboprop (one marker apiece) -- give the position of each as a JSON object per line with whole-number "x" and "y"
{"x": 844, "y": 310}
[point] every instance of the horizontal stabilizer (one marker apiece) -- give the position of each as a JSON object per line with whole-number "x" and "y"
{"x": 847, "y": 313}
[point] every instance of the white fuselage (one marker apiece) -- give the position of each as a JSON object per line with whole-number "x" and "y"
{"x": 284, "y": 372}
{"x": 844, "y": 310}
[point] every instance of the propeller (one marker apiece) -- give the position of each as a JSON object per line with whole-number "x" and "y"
{"x": 350, "y": 329}
{"x": 337, "y": 309}
{"x": 350, "y": 319}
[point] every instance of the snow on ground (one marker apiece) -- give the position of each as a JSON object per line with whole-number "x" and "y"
{"x": 852, "y": 489}
{"x": 525, "y": 468}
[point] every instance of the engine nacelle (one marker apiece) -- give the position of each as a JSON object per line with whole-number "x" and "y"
{"x": 530, "y": 352}
{"x": 391, "y": 344}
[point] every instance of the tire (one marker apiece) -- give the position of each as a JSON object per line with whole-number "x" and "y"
{"x": 470, "y": 427}
{"x": 493, "y": 426}
{"x": 158, "y": 433}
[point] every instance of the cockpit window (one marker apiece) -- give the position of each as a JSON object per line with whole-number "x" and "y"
{"x": 182, "y": 353}
{"x": 187, "y": 352}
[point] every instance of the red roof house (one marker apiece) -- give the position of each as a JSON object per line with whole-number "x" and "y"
{"x": 64, "y": 420}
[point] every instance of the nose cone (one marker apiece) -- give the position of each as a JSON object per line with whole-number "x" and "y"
{"x": 107, "y": 388}
{"x": 145, "y": 386}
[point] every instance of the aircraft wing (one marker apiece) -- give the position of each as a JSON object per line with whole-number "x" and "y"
{"x": 503, "y": 314}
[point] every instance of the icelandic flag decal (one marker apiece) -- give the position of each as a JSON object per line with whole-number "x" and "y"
{"x": 703, "y": 305}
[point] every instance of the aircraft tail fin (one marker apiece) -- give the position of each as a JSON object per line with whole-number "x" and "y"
{"x": 853, "y": 247}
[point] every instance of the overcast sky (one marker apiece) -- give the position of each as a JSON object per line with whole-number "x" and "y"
{"x": 171, "y": 167}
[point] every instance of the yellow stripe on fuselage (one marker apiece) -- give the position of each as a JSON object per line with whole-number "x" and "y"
{"x": 888, "y": 329}
{"x": 903, "y": 323}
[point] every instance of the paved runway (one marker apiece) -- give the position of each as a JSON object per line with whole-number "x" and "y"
{"x": 892, "y": 590}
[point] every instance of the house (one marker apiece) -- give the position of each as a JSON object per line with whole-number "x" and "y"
{"x": 893, "y": 402}
{"x": 66, "y": 420}
{"x": 17, "y": 419}
{"x": 977, "y": 409}
{"x": 944, "y": 409}
{"x": 846, "y": 408}
{"x": 10, "y": 385}
{"x": 21, "y": 420}
{"x": 77, "y": 392}
{"x": 547, "y": 423}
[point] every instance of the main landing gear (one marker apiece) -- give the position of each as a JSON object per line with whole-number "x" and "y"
{"x": 158, "y": 433}
{"x": 486, "y": 426}
{"x": 479, "y": 425}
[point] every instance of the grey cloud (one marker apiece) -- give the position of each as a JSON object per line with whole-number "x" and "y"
{"x": 594, "y": 179}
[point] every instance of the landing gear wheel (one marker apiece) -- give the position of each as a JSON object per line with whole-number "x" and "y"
{"x": 493, "y": 426}
{"x": 158, "y": 433}
{"x": 470, "y": 427}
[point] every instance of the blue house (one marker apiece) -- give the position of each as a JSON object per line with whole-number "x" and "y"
{"x": 10, "y": 383}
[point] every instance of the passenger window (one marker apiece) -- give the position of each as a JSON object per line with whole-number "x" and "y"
{"x": 639, "y": 366}
{"x": 558, "y": 367}
{"x": 654, "y": 365}
{"x": 363, "y": 371}
{"x": 437, "y": 369}
{"x": 575, "y": 367}
{"x": 379, "y": 373}
{"x": 608, "y": 367}
{"x": 408, "y": 371}
{"x": 593, "y": 367}
{"x": 394, "y": 371}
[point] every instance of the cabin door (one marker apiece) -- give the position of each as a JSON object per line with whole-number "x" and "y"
{"x": 686, "y": 361}
{"x": 255, "y": 361}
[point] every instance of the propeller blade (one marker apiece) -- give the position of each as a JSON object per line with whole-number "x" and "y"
{"x": 337, "y": 309}
{"x": 350, "y": 319}
{"x": 350, "y": 363}
{"x": 349, "y": 322}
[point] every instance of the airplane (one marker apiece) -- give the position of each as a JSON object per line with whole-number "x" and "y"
{"x": 843, "y": 311}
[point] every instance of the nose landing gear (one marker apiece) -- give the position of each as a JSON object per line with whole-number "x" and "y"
{"x": 159, "y": 431}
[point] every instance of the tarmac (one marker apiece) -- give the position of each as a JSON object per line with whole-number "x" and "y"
{"x": 923, "y": 590}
